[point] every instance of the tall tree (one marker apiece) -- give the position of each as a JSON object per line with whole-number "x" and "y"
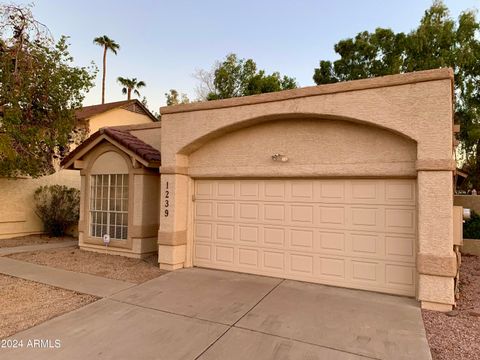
{"x": 130, "y": 85}
{"x": 205, "y": 81}
{"x": 176, "y": 98}
{"x": 438, "y": 41}
{"x": 40, "y": 89}
{"x": 235, "y": 77}
{"x": 107, "y": 44}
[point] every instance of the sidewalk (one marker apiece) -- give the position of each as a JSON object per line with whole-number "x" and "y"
{"x": 36, "y": 247}
{"x": 83, "y": 283}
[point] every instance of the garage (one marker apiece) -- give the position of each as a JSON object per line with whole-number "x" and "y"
{"x": 357, "y": 233}
{"x": 347, "y": 184}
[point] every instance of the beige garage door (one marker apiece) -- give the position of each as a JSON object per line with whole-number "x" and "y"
{"x": 353, "y": 233}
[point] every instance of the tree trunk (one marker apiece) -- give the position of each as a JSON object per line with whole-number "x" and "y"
{"x": 104, "y": 73}
{"x": 129, "y": 93}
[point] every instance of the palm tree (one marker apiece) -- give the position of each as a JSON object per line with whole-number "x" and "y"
{"x": 107, "y": 44}
{"x": 129, "y": 85}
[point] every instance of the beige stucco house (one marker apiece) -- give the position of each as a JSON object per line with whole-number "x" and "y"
{"x": 347, "y": 184}
{"x": 17, "y": 214}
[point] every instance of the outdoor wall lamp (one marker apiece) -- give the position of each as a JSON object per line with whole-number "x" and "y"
{"x": 279, "y": 157}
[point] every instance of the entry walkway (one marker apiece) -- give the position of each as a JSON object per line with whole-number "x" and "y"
{"x": 83, "y": 283}
{"x": 36, "y": 247}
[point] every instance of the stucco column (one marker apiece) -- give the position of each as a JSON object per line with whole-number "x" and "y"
{"x": 143, "y": 220}
{"x": 172, "y": 235}
{"x": 82, "y": 223}
{"x": 436, "y": 261}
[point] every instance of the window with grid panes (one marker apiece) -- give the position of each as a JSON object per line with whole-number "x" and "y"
{"x": 109, "y": 206}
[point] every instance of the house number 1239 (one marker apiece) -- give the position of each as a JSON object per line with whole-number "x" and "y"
{"x": 167, "y": 197}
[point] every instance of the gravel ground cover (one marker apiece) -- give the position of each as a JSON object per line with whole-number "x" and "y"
{"x": 105, "y": 265}
{"x": 33, "y": 240}
{"x": 456, "y": 335}
{"x": 24, "y": 303}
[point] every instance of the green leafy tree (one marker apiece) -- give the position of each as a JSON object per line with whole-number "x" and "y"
{"x": 130, "y": 85}
{"x": 438, "y": 41}
{"x": 107, "y": 44}
{"x": 39, "y": 90}
{"x": 176, "y": 98}
{"x": 236, "y": 77}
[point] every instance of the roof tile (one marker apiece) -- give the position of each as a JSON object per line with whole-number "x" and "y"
{"x": 124, "y": 138}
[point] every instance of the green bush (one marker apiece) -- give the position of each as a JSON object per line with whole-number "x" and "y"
{"x": 58, "y": 206}
{"x": 471, "y": 227}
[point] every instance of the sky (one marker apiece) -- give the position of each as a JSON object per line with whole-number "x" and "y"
{"x": 164, "y": 42}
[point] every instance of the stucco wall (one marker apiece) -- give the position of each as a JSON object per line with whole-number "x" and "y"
{"x": 313, "y": 146}
{"x": 151, "y": 135}
{"x": 116, "y": 117}
{"x": 17, "y": 214}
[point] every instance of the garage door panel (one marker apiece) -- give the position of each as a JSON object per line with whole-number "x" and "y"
{"x": 224, "y": 254}
{"x": 248, "y": 257}
{"x": 225, "y": 211}
{"x": 399, "y": 247}
{"x": 400, "y": 192}
{"x": 367, "y": 244}
{"x": 331, "y": 241}
{"x": 248, "y": 234}
{"x": 274, "y": 261}
{"x": 203, "y": 252}
{"x": 248, "y": 212}
{"x": 203, "y": 232}
{"x": 331, "y": 191}
{"x": 273, "y": 237}
{"x": 302, "y": 239}
{"x": 366, "y": 271}
{"x": 400, "y": 275}
{"x": 204, "y": 190}
{"x": 225, "y": 232}
{"x": 332, "y": 268}
{"x": 204, "y": 209}
{"x": 274, "y": 190}
{"x": 248, "y": 190}
{"x": 301, "y": 191}
{"x": 352, "y": 233}
{"x": 302, "y": 264}
{"x": 331, "y": 217}
{"x": 225, "y": 190}
{"x": 302, "y": 214}
{"x": 370, "y": 192}
{"x": 400, "y": 220}
{"x": 274, "y": 213}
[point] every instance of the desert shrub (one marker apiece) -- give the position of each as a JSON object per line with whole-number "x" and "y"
{"x": 471, "y": 227}
{"x": 58, "y": 206}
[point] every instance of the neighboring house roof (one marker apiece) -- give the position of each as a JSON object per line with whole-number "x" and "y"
{"x": 88, "y": 112}
{"x": 121, "y": 138}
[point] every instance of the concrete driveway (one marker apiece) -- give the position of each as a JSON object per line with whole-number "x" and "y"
{"x": 207, "y": 314}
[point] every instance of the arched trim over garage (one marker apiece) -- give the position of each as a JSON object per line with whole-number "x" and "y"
{"x": 310, "y": 147}
{"x": 294, "y": 116}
